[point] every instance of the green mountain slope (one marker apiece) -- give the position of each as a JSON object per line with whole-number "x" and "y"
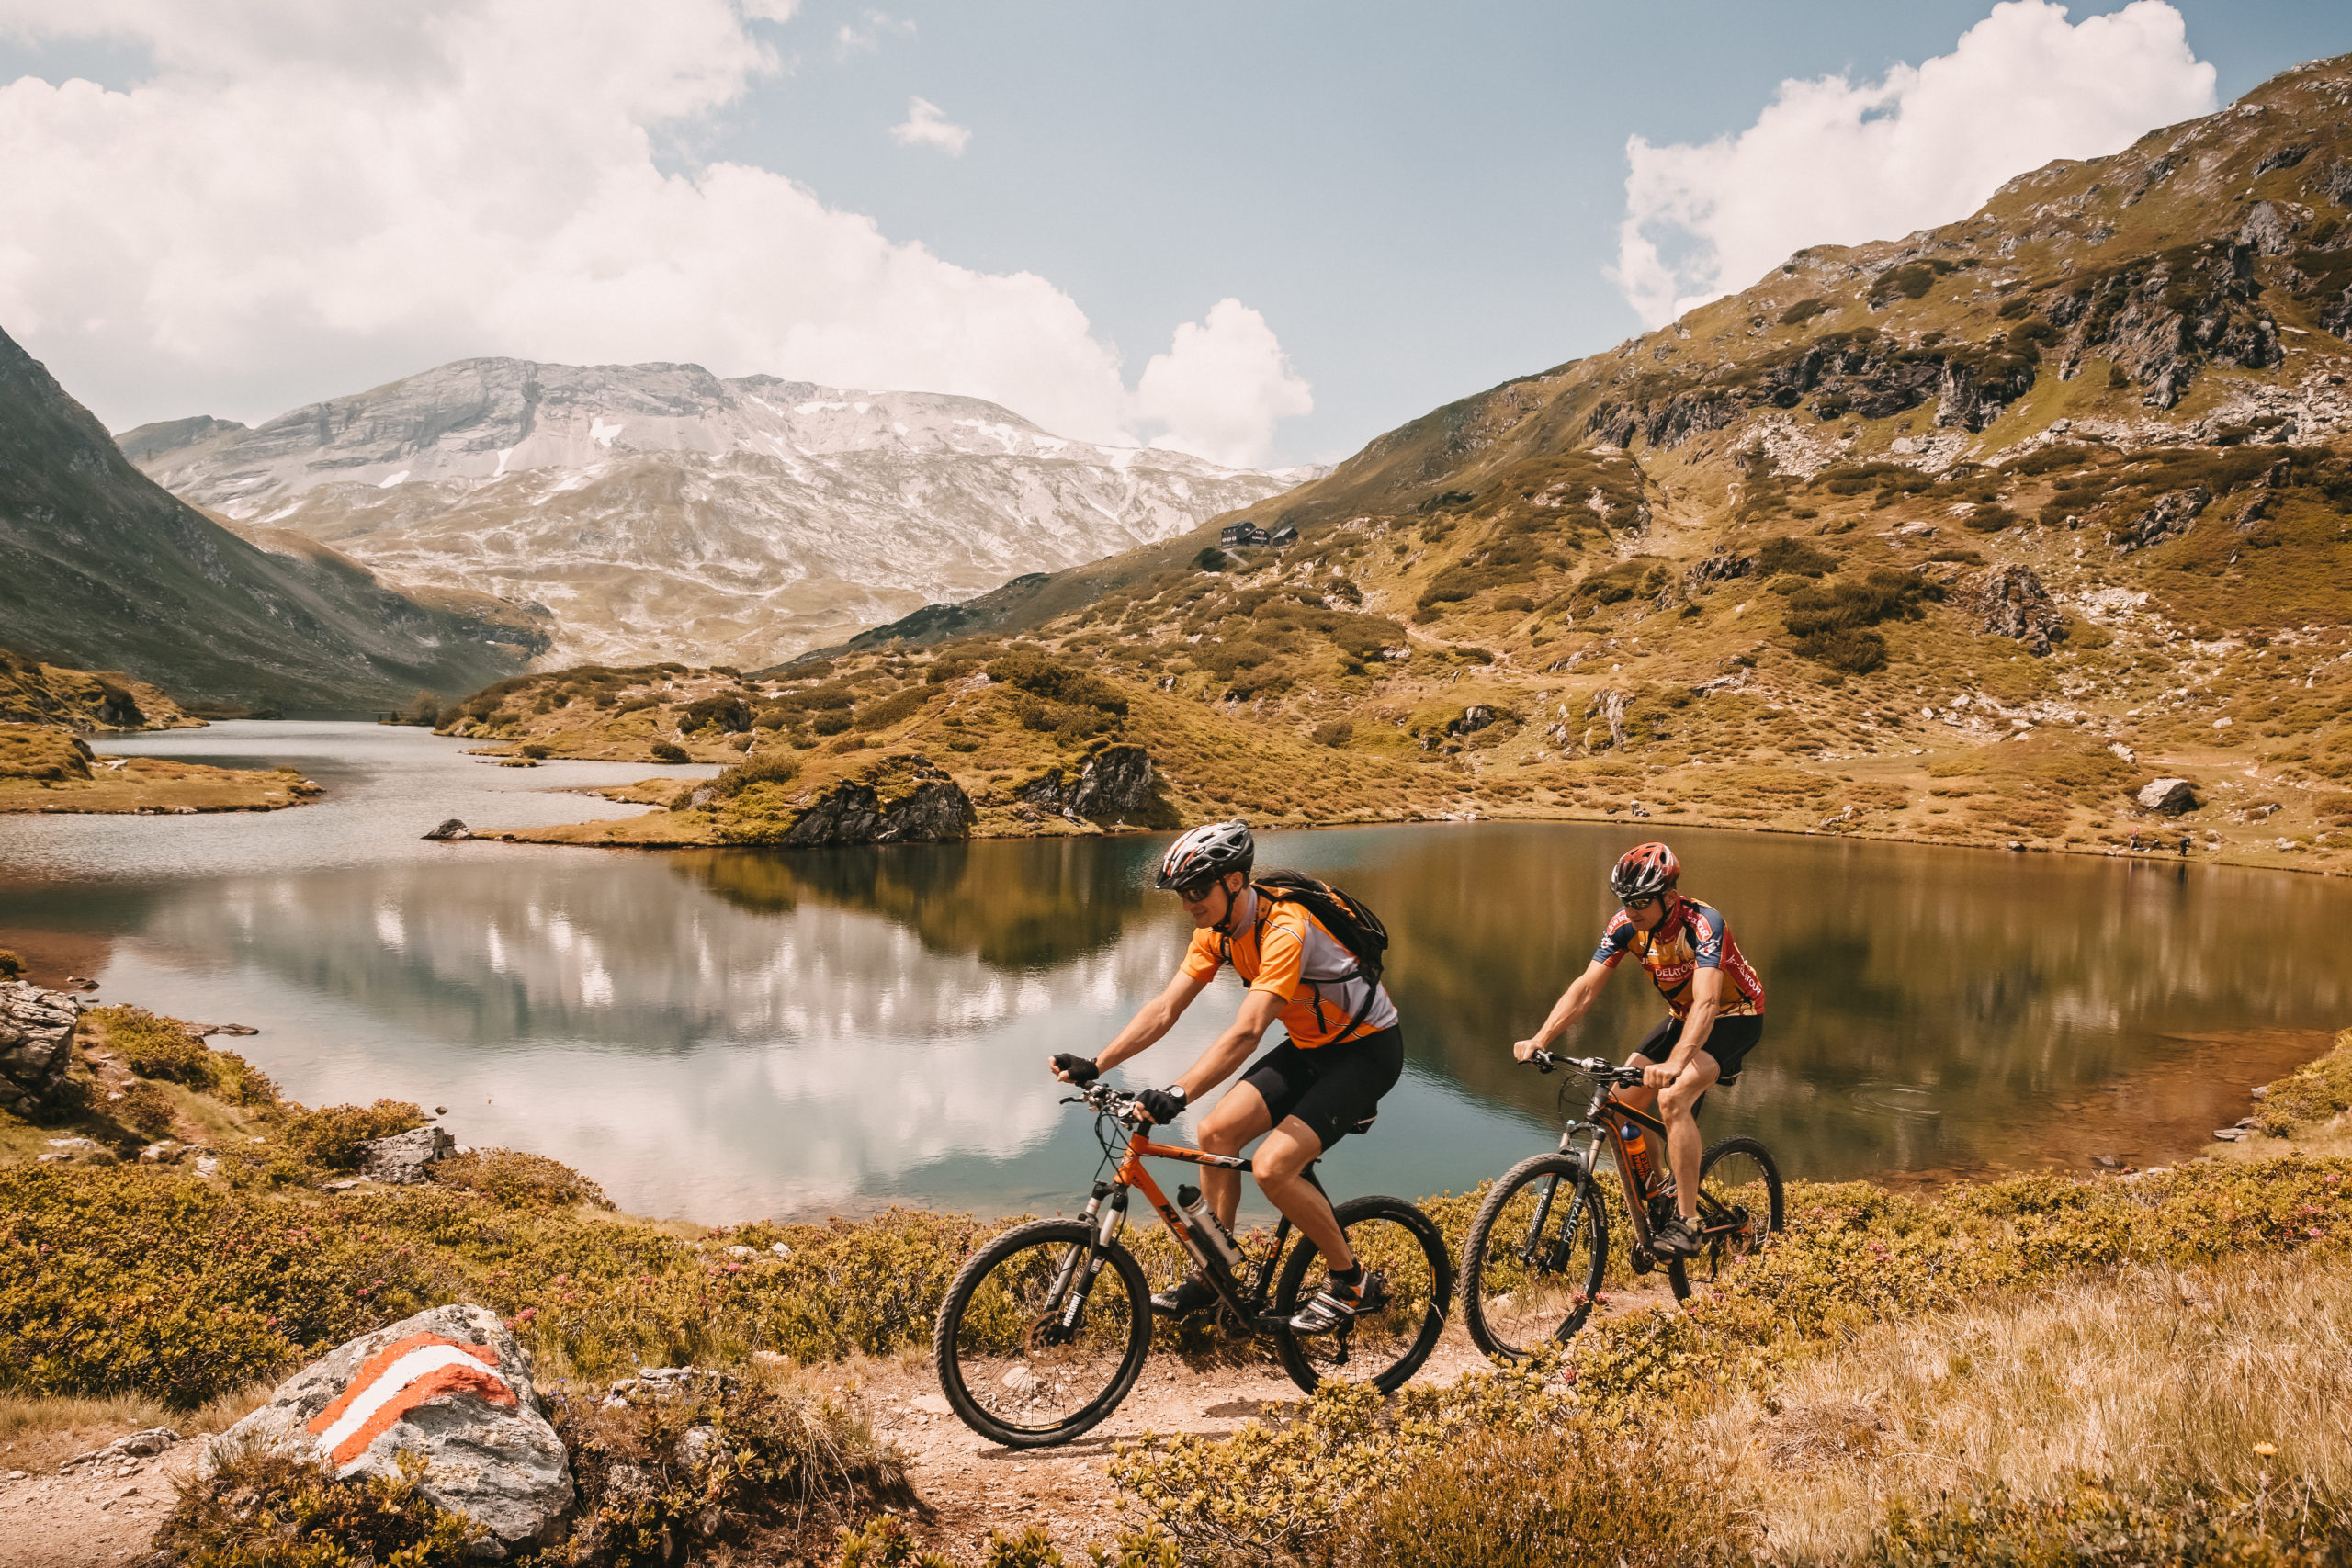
{"x": 2072, "y": 474}
{"x": 106, "y": 569}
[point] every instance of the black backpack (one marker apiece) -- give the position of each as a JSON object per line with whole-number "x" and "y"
{"x": 1348, "y": 919}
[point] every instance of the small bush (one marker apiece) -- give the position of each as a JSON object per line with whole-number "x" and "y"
{"x": 10, "y": 965}
{"x": 144, "y": 1109}
{"x": 1333, "y": 732}
{"x": 536, "y": 753}
{"x": 155, "y": 1047}
{"x": 885, "y": 1541}
{"x": 2313, "y": 1093}
{"x": 771, "y": 1475}
{"x": 267, "y": 1510}
{"x": 332, "y": 1137}
{"x": 1210, "y": 559}
{"x": 517, "y": 1180}
{"x": 1794, "y": 556}
{"x": 1804, "y": 310}
{"x": 727, "y": 712}
{"x": 1057, "y": 682}
{"x": 668, "y": 752}
{"x": 893, "y": 709}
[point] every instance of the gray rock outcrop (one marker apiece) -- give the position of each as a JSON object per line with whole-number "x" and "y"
{"x": 2012, "y": 603}
{"x": 908, "y": 802}
{"x": 400, "y": 1160}
{"x": 451, "y": 830}
{"x": 1115, "y": 781}
{"x": 36, "y": 1043}
{"x": 2169, "y": 517}
{"x": 450, "y": 1385}
{"x": 2170, "y": 797}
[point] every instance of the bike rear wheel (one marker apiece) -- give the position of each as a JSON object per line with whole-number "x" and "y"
{"x": 1740, "y": 1201}
{"x": 1387, "y": 1343}
{"x": 1531, "y": 1266}
{"x": 1029, "y": 1352}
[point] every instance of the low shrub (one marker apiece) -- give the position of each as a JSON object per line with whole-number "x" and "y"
{"x": 154, "y": 1047}
{"x": 668, "y": 752}
{"x": 267, "y": 1510}
{"x": 1056, "y": 682}
{"x": 1334, "y": 732}
{"x": 517, "y": 1180}
{"x": 896, "y": 707}
{"x": 2312, "y": 1093}
{"x": 769, "y": 769}
{"x": 332, "y": 1137}
{"x": 1795, "y": 556}
{"x": 10, "y": 965}
{"x": 144, "y": 1109}
{"x": 718, "y": 1466}
{"x": 536, "y": 753}
{"x": 2293, "y": 1526}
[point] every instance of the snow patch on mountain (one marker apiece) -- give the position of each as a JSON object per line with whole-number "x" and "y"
{"x": 662, "y": 512}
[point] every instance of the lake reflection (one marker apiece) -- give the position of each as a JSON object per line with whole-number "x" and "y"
{"x": 731, "y": 1033}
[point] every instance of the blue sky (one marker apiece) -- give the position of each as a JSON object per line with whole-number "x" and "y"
{"x": 1416, "y": 201}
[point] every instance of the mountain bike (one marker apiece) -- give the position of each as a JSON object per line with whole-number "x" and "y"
{"x": 1044, "y": 1330}
{"x": 1532, "y": 1264}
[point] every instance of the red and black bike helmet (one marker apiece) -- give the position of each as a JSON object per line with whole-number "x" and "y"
{"x": 1645, "y": 869}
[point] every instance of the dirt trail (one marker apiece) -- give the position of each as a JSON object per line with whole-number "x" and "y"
{"x": 88, "y": 1514}
{"x": 92, "y": 1515}
{"x": 973, "y": 1486}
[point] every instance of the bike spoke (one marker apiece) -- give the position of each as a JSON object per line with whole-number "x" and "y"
{"x": 1035, "y": 1346}
{"x": 1407, "y": 1287}
{"x": 1536, "y": 1266}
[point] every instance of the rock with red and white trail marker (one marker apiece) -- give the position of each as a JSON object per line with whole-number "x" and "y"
{"x": 450, "y": 1385}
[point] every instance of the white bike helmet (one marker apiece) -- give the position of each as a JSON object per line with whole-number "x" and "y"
{"x": 1207, "y": 851}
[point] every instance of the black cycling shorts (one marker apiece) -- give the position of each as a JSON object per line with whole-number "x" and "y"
{"x": 1728, "y": 1043}
{"x": 1333, "y": 1089}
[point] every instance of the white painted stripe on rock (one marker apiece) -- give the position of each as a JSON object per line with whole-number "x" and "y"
{"x": 387, "y": 1387}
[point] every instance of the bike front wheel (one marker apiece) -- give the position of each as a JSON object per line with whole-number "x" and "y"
{"x": 1387, "y": 1343}
{"x": 1532, "y": 1267}
{"x": 1042, "y": 1334}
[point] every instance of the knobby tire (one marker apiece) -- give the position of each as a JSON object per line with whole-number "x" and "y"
{"x": 1478, "y": 1267}
{"x": 1385, "y": 1348}
{"x": 957, "y": 1334}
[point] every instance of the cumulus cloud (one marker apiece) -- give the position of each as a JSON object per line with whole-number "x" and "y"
{"x": 1830, "y": 162}
{"x": 866, "y": 35}
{"x": 1221, "y": 387}
{"x": 298, "y": 199}
{"x": 927, "y": 125}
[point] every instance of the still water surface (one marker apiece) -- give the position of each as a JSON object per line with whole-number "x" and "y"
{"x": 725, "y": 1035}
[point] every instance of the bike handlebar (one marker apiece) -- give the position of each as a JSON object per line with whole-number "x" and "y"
{"x": 1591, "y": 1066}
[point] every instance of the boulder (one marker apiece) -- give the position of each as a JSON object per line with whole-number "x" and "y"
{"x": 1475, "y": 717}
{"x": 2169, "y": 516}
{"x": 1115, "y": 781}
{"x": 450, "y": 1385}
{"x": 77, "y": 1151}
{"x": 901, "y": 800}
{"x": 450, "y": 830}
{"x": 2171, "y": 796}
{"x": 400, "y": 1160}
{"x": 2012, "y": 603}
{"x": 36, "y": 1043}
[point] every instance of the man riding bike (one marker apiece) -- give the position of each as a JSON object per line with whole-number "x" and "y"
{"x": 1715, "y": 1002}
{"x": 1344, "y": 1051}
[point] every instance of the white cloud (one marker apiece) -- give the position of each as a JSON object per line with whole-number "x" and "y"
{"x": 300, "y": 199}
{"x": 927, "y": 126}
{"x": 1832, "y": 163}
{"x": 864, "y": 36}
{"x": 1221, "y": 387}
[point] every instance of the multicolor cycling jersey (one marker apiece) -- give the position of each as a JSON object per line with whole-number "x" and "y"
{"x": 1279, "y": 948}
{"x": 1692, "y": 938}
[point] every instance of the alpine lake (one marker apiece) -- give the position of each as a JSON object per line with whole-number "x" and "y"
{"x": 725, "y": 1035}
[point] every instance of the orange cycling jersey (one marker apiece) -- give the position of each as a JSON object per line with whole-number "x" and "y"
{"x": 1692, "y": 938}
{"x": 1279, "y": 948}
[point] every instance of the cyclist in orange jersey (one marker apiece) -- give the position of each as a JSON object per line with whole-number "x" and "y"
{"x": 1715, "y": 1012}
{"x": 1344, "y": 1051}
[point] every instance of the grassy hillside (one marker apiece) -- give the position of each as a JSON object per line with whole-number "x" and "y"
{"x": 1967, "y": 537}
{"x": 106, "y": 569}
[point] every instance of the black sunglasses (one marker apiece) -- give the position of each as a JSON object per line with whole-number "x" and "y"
{"x": 1194, "y": 892}
{"x": 1644, "y": 902}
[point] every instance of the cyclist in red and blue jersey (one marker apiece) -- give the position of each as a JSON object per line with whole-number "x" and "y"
{"x": 1715, "y": 1012}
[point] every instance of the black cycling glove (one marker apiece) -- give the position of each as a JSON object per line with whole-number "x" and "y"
{"x": 1082, "y": 1069}
{"x": 1158, "y": 1106}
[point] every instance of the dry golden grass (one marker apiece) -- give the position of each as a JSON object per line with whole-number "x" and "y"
{"x": 154, "y": 784}
{"x": 36, "y": 1434}
{"x": 2152, "y": 1377}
